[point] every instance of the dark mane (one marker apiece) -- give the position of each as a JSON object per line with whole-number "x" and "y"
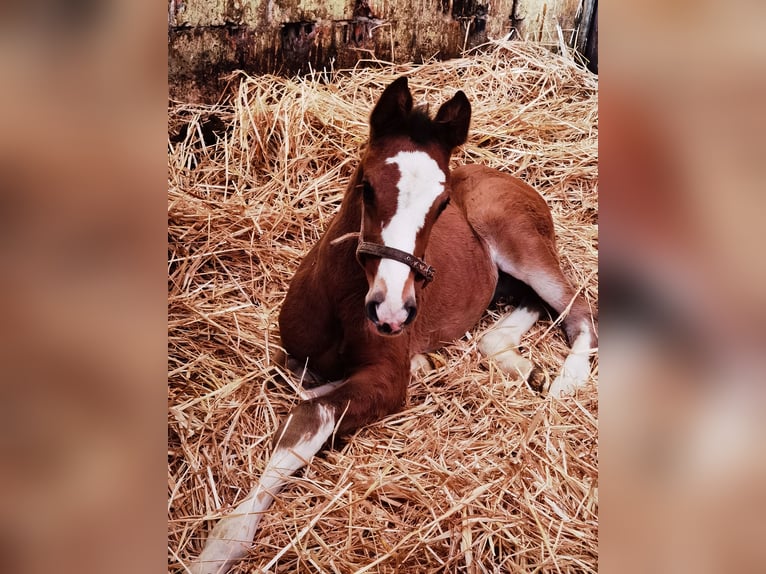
{"x": 421, "y": 128}
{"x": 418, "y": 126}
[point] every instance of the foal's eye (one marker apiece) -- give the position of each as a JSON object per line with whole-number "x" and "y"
{"x": 368, "y": 194}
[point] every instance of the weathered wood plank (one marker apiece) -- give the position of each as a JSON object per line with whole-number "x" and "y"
{"x": 209, "y": 38}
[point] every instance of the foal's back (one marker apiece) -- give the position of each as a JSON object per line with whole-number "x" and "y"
{"x": 498, "y": 204}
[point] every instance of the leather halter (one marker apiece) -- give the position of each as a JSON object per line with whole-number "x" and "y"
{"x": 422, "y": 269}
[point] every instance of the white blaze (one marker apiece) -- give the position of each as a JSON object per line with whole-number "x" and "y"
{"x": 421, "y": 182}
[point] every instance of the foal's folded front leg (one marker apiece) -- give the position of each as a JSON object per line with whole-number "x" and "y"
{"x": 364, "y": 397}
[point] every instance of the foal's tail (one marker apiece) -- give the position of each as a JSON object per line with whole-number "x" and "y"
{"x": 300, "y": 437}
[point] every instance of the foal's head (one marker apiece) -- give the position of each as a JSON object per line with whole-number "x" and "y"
{"x": 404, "y": 189}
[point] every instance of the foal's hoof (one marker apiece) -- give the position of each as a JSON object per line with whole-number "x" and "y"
{"x": 574, "y": 375}
{"x": 536, "y": 380}
{"x": 514, "y": 364}
{"x": 420, "y": 364}
{"x": 565, "y": 385}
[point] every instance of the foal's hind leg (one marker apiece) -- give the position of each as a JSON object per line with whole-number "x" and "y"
{"x": 543, "y": 273}
{"x": 516, "y": 224}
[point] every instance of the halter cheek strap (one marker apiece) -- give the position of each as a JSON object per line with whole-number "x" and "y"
{"x": 420, "y": 267}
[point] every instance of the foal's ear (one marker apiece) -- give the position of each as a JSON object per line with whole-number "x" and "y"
{"x": 394, "y": 105}
{"x": 453, "y": 119}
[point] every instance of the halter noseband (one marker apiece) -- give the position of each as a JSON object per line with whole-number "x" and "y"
{"x": 422, "y": 269}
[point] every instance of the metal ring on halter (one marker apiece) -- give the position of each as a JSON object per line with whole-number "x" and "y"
{"x": 422, "y": 269}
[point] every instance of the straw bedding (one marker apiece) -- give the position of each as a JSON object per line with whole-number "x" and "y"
{"x": 477, "y": 473}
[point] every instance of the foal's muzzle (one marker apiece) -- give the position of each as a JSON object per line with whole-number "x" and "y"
{"x": 387, "y": 328}
{"x": 390, "y": 315}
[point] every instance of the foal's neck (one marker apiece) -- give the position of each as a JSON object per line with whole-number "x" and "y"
{"x": 348, "y": 220}
{"x": 335, "y": 266}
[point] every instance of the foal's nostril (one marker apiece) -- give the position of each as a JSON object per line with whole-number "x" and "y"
{"x": 372, "y": 311}
{"x": 412, "y": 311}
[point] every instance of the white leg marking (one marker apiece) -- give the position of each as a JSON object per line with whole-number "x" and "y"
{"x": 421, "y": 181}
{"x": 322, "y": 390}
{"x": 576, "y": 368}
{"x": 233, "y": 535}
{"x": 500, "y": 341}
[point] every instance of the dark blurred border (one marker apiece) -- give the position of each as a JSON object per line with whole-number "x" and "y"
{"x": 683, "y": 308}
{"x": 82, "y": 241}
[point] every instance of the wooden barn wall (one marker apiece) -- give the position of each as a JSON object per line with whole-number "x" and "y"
{"x": 207, "y": 39}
